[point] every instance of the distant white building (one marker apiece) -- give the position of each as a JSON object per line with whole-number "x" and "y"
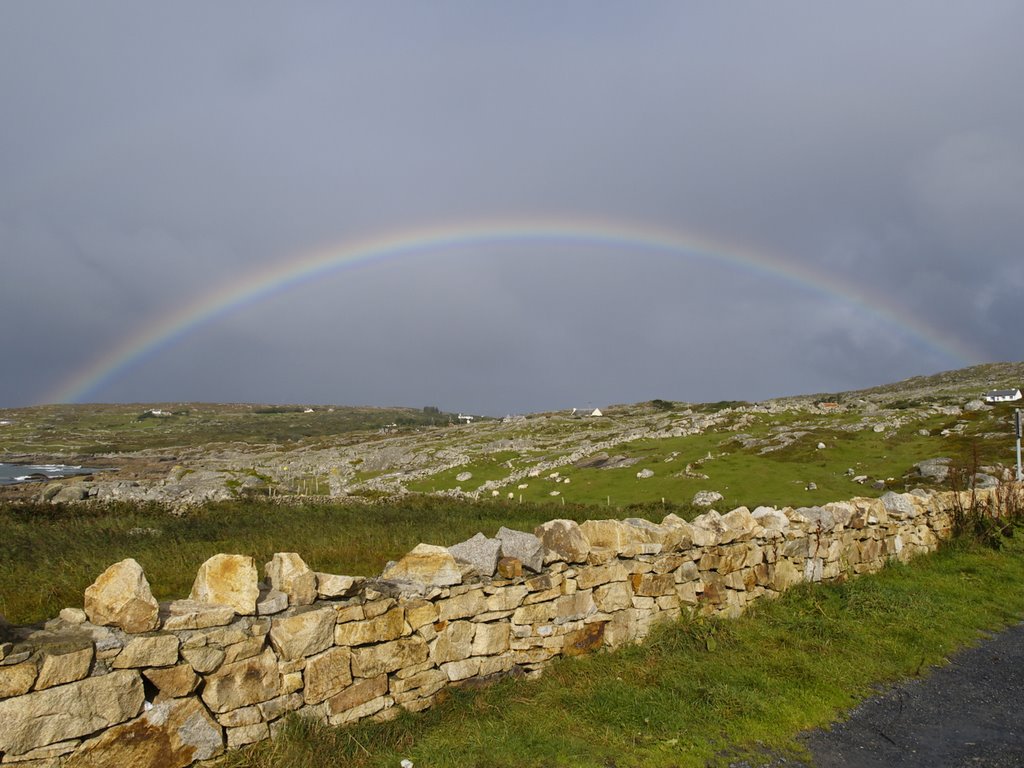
{"x": 596, "y": 412}
{"x": 1002, "y": 396}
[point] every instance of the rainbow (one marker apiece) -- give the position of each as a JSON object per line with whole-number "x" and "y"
{"x": 169, "y": 329}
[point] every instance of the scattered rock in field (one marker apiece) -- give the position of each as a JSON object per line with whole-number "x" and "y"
{"x": 977, "y": 405}
{"x": 643, "y": 474}
{"x": 821, "y": 446}
{"x": 934, "y": 469}
{"x": 812, "y": 487}
{"x": 706, "y": 498}
{"x": 463, "y": 477}
{"x": 982, "y": 480}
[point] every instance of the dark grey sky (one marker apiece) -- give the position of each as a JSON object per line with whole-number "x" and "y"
{"x": 153, "y": 153}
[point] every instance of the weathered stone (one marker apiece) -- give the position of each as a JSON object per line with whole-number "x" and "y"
{"x": 282, "y": 705}
{"x": 900, "y": 506}
{"x": 462, "y": 669}
{"x": 190, "y": 614}
{"x": 706, "y": 498}
{"x": 373, "y": 660}
{"x": 246, "y": 734}
{"x": 44, "y": 757}
{"x": 173, "y": 682}
{"x": 785, "y": 576}
{"x": 121, "y": 598}
{"x": 813, "y": 519}
{"x": 236, "y": 718}
{"x": 653, "y": 584}
{"x": 357, "y": 694}
{"x": 173, "y": 734}
{"x": 65, "y": 665}
{"x": 419, "y": 613}
{"x": 307, "y": 631}
{"x": 771, "y": 518}
{"x": 612, "y": 597}
{"x": 329, "y": 585}
{"x": 427, "y": 565}
{"x": 203, "y": 659}
{"x": 491, "y": 639}
{"x": 479, "y": 552}
{"x": 288, "y": 573}
{"x": 615, "y": 535}
{"x": 565, "y": 539}
{"x": 525, "y": 547}
{"x": 246, "y": 682}
{"x": 453, "y": 643}
{"x": 148, "y": 651}
{"x": 244, "y": 649}
{"x": 388, "y": 626}
{"x": 739, "y": 525}
{"x": 16, "y": 679}
{"x": 327, "y": 674}
{"x": 587, "y": 639}
{"x": 73, "y": 616}
{"x": 230, "y": 580}
{"x": 507, "y": 598}
{"x": 270, "y": 602}
{"x": 510, "y": 567}
{"x": 69, "y": 711}
{"x": 465, "y": 605}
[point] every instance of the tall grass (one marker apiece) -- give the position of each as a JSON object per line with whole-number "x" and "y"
{"x": 680, "y": 700}
{"x": 50, "y": 554}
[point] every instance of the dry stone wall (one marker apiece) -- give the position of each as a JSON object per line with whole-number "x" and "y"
{"x": 125, "y": 680}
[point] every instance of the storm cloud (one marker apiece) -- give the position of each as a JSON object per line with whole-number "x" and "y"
{"x": 870, "y": 155}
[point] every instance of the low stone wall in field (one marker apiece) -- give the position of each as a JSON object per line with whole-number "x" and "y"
{"x": 125, "y": 681}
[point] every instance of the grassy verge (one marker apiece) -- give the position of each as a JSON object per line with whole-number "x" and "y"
{"x": 699, "y": 692}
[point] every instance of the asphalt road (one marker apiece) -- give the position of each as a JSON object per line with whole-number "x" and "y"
{"x": 968, "y": 713}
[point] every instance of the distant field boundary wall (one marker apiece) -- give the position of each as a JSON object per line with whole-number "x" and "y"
{"x": 126, "y": 681}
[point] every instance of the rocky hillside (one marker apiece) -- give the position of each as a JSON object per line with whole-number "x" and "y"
{"x": 799, "y": 450}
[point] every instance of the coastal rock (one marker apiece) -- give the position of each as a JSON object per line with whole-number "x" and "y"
{"x": 121, "y": 598}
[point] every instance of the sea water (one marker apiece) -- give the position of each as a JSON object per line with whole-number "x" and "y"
{"x": 23, "y": 473}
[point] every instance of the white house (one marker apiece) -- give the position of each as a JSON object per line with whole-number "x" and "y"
{"x": 1002, "y": 396}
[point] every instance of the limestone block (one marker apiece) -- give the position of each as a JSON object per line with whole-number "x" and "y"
{"x": 121, "y": 598}
{"x": 357, "y": 694}
{"x": 190, "y": 614}
{"x": 246, "y": 734}
{"x": 506, "y": 598}
{"x": 148, "y": 651}
{"x": 236, "y": 718}
{"x": 491, "y": 639}
{"x": 586, "y": 639}
{"x": 375, "y": 706}
{"x": 173, "y": 734}
{"x": 614, "y": 535}
{"x": 739, "y": 524}
{"x": 44, "y": 757}
{"x": 229, "y": 580}
{"x": 68, "y": 711}
{"x": 304, "y": 632}
{"x": 282, "y": 705}
{"x": 388, "y": 626}
{"x": 576, "y": 606}
{"x": 329, "y": 585}
{"x": 373, "y": 660}
{"x": 708, "y": 530}
{"x": 65, "y": 665}
{"x": 681, "y": 537}
{"x": 16, "y": 679}
{"x": 427, "y": 565}
{"x": 654, "y": 535}
{"x": 813, "y": 519}
{"x": 461, "y": 670}
{"x": 173, "y": 682}
{"x": 565, "y": 539}
{"x": 424, "y": 683}
{"x": 900, "y": 506}
{"x": 244, "y": 649}
{"x": 465, "y": 605}
{"x": 612, "y": 597}
{"x": 594, "y": 575}
{"x": 243, "y": 683}
{"x": 538, "y": 613}
{"x": 73, "y": 615}
{"x": 327, "y": 674}
{"x": 349, "y": 613}
{"x": 771, "y": 519}
{"x": 496, "y": 665}
{"x": 288, "y": 573}
{"x": 525, "y": 547}
{"x": 480, "y": 552}
{"x": 374, "y": 608}
{"x": 510, "y": 567}
{"x": 419, "y": 613}
{"x": 689, "y": 592}
{"x": 653, "y": 584}
{"x": 453, "y": 643}
{"x": 203, "y": 659}
{"x": 271, "y": 601}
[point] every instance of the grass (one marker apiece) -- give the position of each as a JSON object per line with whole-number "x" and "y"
{"x": 49, "y": 555}
{"x": 698, "y": 692}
